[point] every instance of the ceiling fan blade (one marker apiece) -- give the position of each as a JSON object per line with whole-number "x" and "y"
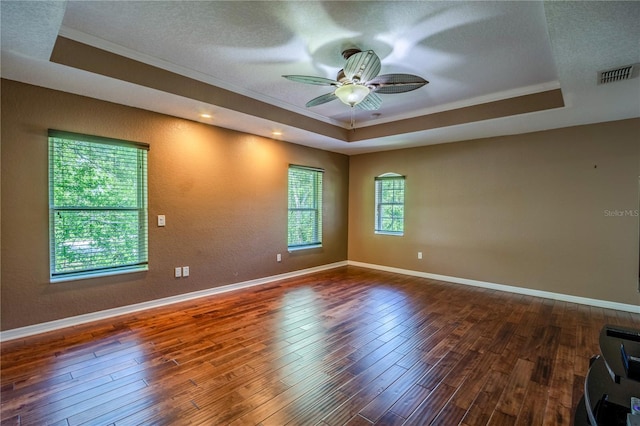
{"x": 371, "y": 103}
{"x": 307, "y": 79}
{"x": 322, "y": 99}
{"x": 362, "y": 66}
{"x": 396, "y": 83}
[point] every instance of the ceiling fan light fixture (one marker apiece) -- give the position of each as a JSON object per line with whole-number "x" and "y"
{"x": 352, "y": 94}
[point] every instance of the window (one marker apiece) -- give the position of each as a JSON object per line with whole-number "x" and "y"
{"x": 389, "y": 204}
{"x": 97, "y": 206}
{"x": 305, "y": 207}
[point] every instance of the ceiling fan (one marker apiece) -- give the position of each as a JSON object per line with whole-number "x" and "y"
{"x": 358, "y": 83}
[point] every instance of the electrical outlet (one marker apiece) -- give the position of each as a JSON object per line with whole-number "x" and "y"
{"x": 278, "y": 257}
{"x": 161, "y": 220}
{"x": 178, "y": 272}
{"x": 185, "y": 271}
{"x": 419, "y": 255}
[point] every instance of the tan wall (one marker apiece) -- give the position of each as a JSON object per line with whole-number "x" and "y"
{"x": 224, "y": 194}
{"x": 529, "y": 210}
{"x": 535, "y": 210}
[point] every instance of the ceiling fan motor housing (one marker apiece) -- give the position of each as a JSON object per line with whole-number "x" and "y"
{"x": 350, "y": 52}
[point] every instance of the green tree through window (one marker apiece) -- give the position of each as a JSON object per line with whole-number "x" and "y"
{"x": 98, "y": 205}
{"x": 305, "y": 207}
{"x": 389, "y": 204}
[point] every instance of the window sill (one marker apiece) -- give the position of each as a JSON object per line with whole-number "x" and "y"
{"x": 87, "y": 275}
{"x": 307, "y": 247}
{"x": 397, "y": 234}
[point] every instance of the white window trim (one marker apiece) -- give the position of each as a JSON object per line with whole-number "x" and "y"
{"x": 319, "y": 232}
{"x": 107, "y": 271}
{"x": 377, "y": 204}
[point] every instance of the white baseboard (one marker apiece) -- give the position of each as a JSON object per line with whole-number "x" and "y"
{"x": 501, "y": 287}
{"x": 30, "y": 330}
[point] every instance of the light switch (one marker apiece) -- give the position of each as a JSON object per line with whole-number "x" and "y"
{"x": 161, "y": 220}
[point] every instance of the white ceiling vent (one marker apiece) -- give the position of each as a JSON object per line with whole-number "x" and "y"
{"x": 621, "y": 73}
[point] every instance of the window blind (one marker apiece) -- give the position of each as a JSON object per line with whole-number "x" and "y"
{"x": 97, "y": 205}
{"x": 304, "y": 207}
{"x": 389, "y": 196}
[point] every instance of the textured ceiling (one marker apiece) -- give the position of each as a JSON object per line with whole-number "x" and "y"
{"x": 472, "y": 53}
{"x": 249, "y": 46}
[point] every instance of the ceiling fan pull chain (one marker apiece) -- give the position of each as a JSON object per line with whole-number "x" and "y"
{"x": 353, "y": 118}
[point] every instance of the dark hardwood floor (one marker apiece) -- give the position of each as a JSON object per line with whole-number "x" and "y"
{"x": 346, "y": 346}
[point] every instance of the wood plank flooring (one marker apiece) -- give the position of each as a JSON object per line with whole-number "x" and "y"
{"x": 350, "y": 346}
